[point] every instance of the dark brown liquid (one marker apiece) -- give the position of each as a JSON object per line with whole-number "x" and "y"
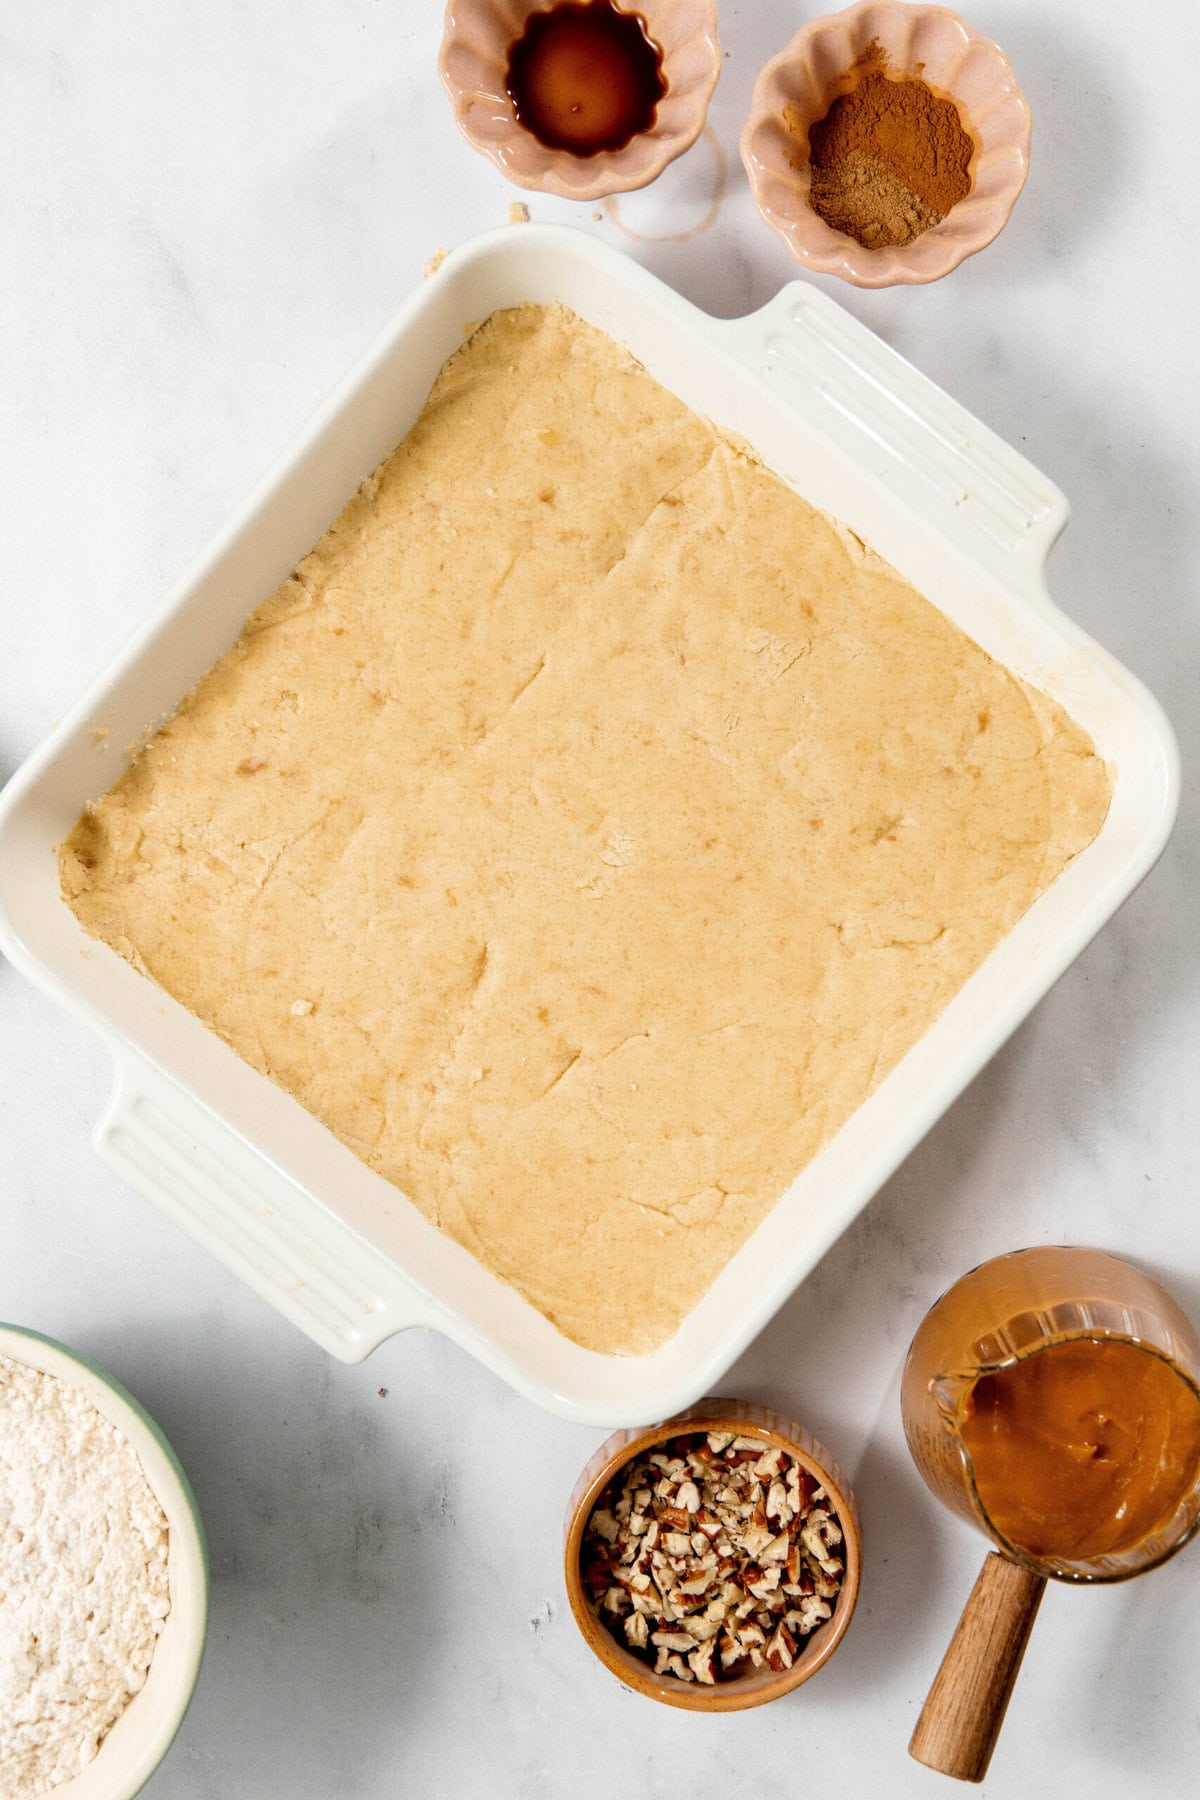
{"x": 585, "y": 77}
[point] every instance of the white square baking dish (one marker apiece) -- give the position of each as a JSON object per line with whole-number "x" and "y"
{"x": 236, "y": 1161}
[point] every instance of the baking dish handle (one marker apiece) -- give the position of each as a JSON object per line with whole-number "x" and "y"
{"x": 251, "y": 1216}
{"x": 918, "y": 442}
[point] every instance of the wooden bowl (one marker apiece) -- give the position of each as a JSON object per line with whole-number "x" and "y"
{"x": 759, "y": 1685}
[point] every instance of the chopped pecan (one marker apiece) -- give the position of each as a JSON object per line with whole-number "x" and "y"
{"x": 713, "y": 1554}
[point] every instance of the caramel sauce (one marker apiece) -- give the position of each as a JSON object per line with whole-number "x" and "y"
{"x": 585, "y": 76}
{"x": 1084, "y": 1449}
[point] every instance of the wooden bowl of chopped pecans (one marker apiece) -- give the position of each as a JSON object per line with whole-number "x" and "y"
{"x": 712, "y": 1562}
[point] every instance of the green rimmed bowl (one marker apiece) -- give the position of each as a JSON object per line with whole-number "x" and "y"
{"x": 143, "y": 1734}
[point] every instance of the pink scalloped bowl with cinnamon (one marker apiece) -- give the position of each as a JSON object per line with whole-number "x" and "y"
{"x": 796, "y": 89}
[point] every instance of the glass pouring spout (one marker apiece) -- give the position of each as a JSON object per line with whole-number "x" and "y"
{"x": 1074, "y": 1377}
{"x": 1064, "y": 1386}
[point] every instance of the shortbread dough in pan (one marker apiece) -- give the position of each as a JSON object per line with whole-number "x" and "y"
{"x": 585, "y": 829}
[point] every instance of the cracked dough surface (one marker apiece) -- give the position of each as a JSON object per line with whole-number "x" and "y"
{"x": 585, "y": 829}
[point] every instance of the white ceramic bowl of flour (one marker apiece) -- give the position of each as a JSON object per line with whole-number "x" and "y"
{"x": 142, "y": 1735}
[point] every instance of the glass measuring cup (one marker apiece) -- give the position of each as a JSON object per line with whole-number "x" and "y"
{"x": 991, "y": 1320}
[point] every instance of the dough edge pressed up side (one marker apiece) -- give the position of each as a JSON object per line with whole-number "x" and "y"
{"x": 584, "y": 829}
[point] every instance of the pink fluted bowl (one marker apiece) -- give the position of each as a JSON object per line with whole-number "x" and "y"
{"x": 473, "y": 65}
{"x": 796, "y": 89}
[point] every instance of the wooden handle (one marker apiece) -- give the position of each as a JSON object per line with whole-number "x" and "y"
{"x": 961, "y": 1719}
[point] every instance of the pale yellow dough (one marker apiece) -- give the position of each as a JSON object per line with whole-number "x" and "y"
{"x": 585, "y": 829}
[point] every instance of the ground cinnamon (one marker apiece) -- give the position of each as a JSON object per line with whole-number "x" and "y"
{"x": 889, "y": 159}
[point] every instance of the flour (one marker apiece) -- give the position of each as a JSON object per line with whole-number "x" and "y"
{"x": 83, "y": 1579}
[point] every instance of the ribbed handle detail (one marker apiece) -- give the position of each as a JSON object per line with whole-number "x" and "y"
{"x": 964, "y": 481}
{"x": 251, "y": 1216}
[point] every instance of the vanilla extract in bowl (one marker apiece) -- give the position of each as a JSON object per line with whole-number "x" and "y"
{"x": 585, "y": 77}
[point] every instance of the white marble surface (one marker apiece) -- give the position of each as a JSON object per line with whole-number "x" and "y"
{"x": 206, "y": 211}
